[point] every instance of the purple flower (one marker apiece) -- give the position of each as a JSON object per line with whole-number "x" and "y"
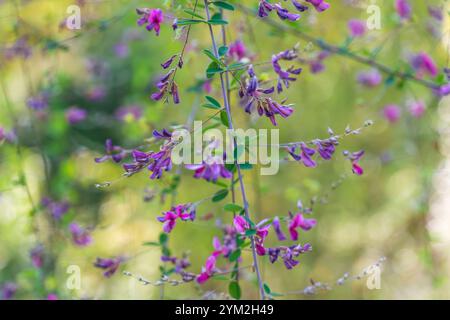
{"x": 370, "y": 78}
{"x": 152, "y": 18}
{"x": 403, "y": 9}
{"x": 237, "y": 50}
{"x": 305, "y": 154}
{"x": 284, "y": 14}
{"x": 357, "y": 28}
{"x": 443, "y": 90}
{"x": 264, "y": 7}
{"x": 298, "y": 221}
{"x": 167, "y": 85}
{"x": 354, "y": 159}
{"x": 262, "y": 230}
{"x": 417, "y": 108}
{"x": 300, "y": 7}
{"x": 20, "y": 48}
{"x": 180, "y": 263}
{"x": 435, "y": 12}
{"x": 423, "y": 63}
{"x": 96, "y": 93}
{"x": 183, "y": 212}
{"x": 75, "y": 115}
{"x": 56, "y": 209}
{"x": 121, "y": 50}
{"x": 37, "y": 256}
{"x": 8, "y": 290}
{"x": 320, "y": 5}
{"x": 166, "y": 64}
{"x": 392, "y": 113}
{"x": 80, "y": 236}
{"x": 316, "y": 65}
{"x": 38, "y": 102}
{"x": 288, "y": 254}
{"x": 285, "y": 76}
{"x": 115, "y": 153}
{"x": 109, "y": 265}
{"x": 208, "y": 270}
{"x": 326, "y": 148}
{"x": 277, "y": 228}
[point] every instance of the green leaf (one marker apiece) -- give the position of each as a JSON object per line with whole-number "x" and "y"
{"x": 163, "y": 237}
{"x": 223, "y": 5}
{"x": 213, "y": 101}
{"x": 218, "y": 22}
{"x": 234, "y": 290}
{"x": 211, "y": 56}
{"x": 220, "y": 195}
{"x": 232, "y": 207}
{"x": 192, "y": 13}
{"x": 186, "y": 22}
{"x": 223, "y": 51}
{"x": 266, "y": 288}
{"x": 151, "y": 243}
{"x": 210, "y": 106}
{"x": 235, "y": 255}
{"x": 250, "y": 232}
{"x": 213, "y": 68}
{"x": 224, "y": 118}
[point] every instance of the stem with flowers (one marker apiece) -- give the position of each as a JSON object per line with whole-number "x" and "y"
{"x": 239, "y": 173}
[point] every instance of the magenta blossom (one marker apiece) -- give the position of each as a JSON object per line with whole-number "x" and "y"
{"x": 370, "y": 78}
{"x": 357, "y": 28}
{"x": 109, "y": 265}
{"x": 392, "y": 113}
{"x": 208, "y": 270}
{"x": 354, "y": 158}
{"x": 37, "y": 256}
{"x": 152, "y": 18}
{"x": 80, "y": 236}
{"x": 417, "y": 108}
{"x": 298, "y": 221}
{"x": 262, "y": 230}
{"x": 320, "y": 5}
{"x": 237, "y": 50}
{"x": 183, "y": 212}
{"x": 403, "y": 9}
{"x": 75, "y": 115}
{"x": 52, "y": 297}
{"x": 422, "y": 63}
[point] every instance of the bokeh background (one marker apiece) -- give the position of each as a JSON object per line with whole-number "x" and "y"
{"x": 399, "y": 208}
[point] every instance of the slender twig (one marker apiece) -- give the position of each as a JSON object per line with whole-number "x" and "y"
{"x": 338, "y": 50}
{"x": 241, "y": 182}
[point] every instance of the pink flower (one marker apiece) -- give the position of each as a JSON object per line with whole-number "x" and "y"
{"x": 52, "y": 296}
{"x": 403, "y": 9}
{"x": 392, "y": 113}
{"x": 169, "y": 218}
{"x": 237, "y": 50}
{"x": 423, "y": 63}
{"x": 152, "y": 17}
{"x": 300, "y": 222}
{"x": 357, "y": 28}
{"x": 207, "y": 270}
{"x": 240, "y": 224}
{"x": 417, "y": 108}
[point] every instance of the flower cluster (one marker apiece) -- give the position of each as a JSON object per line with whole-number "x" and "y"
{"x": 354, "y": 158}
{"x": 166, "y": 85}
{"x": 184, "y": 212}
{"x": 210, "y": 268}
{"x": 56, "y": 209}
{"x": 253, "y": 95}
{"x": 284, "y": 14}
{"x": 261, "y": 231}
{"x": 152, "y": 18}
{"x": 324, "y": 147}
{"x": 80, "y": 236}
{"x": 115, "y": 153}
{"x": 288, "y": 75}
{"x": 110, "y": 265}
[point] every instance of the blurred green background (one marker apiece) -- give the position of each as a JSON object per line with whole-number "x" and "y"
{"x": 398, "y": 209}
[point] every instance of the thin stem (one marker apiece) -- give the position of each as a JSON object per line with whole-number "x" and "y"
{"x": 241, "y": 182}
{"x": 339, "y": 50}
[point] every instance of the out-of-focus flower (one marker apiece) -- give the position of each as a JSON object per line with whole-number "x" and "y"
{"x": 80, "y": 236}
{"x": 8, "y": 291}
{"x": 109, "y": 265}
{"x": 357, "y": 28}
{"x": 37, "y": 256}
{"x": 316, "y": 65}
{"x": 423, "y": 63}
{"x": 56, "y": 209}
{"x": 75, "y": 115}
{"x": 237, "y": 50}
{"x": 115, "y": 153}
{"x": 436, "y": 13}
{"x": 417, "y": 108}
{"x": 277, "y": 228}
{"x": 320, "y": 5}
{"x": 129, "y": 113}
{"x": 370, "y": 78}
{"x": 96, "y": 93}
{"x": 20, "y": 49}
{"x": 392, "y": 113}
{"x": 153, "y": 18}
{"x": 180, "y": 263}
{"x": 52, "y": 297}
{"x": 121, "y": 50}
{"x": 38, "y": 102}
{"x": 403, "y": 9}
